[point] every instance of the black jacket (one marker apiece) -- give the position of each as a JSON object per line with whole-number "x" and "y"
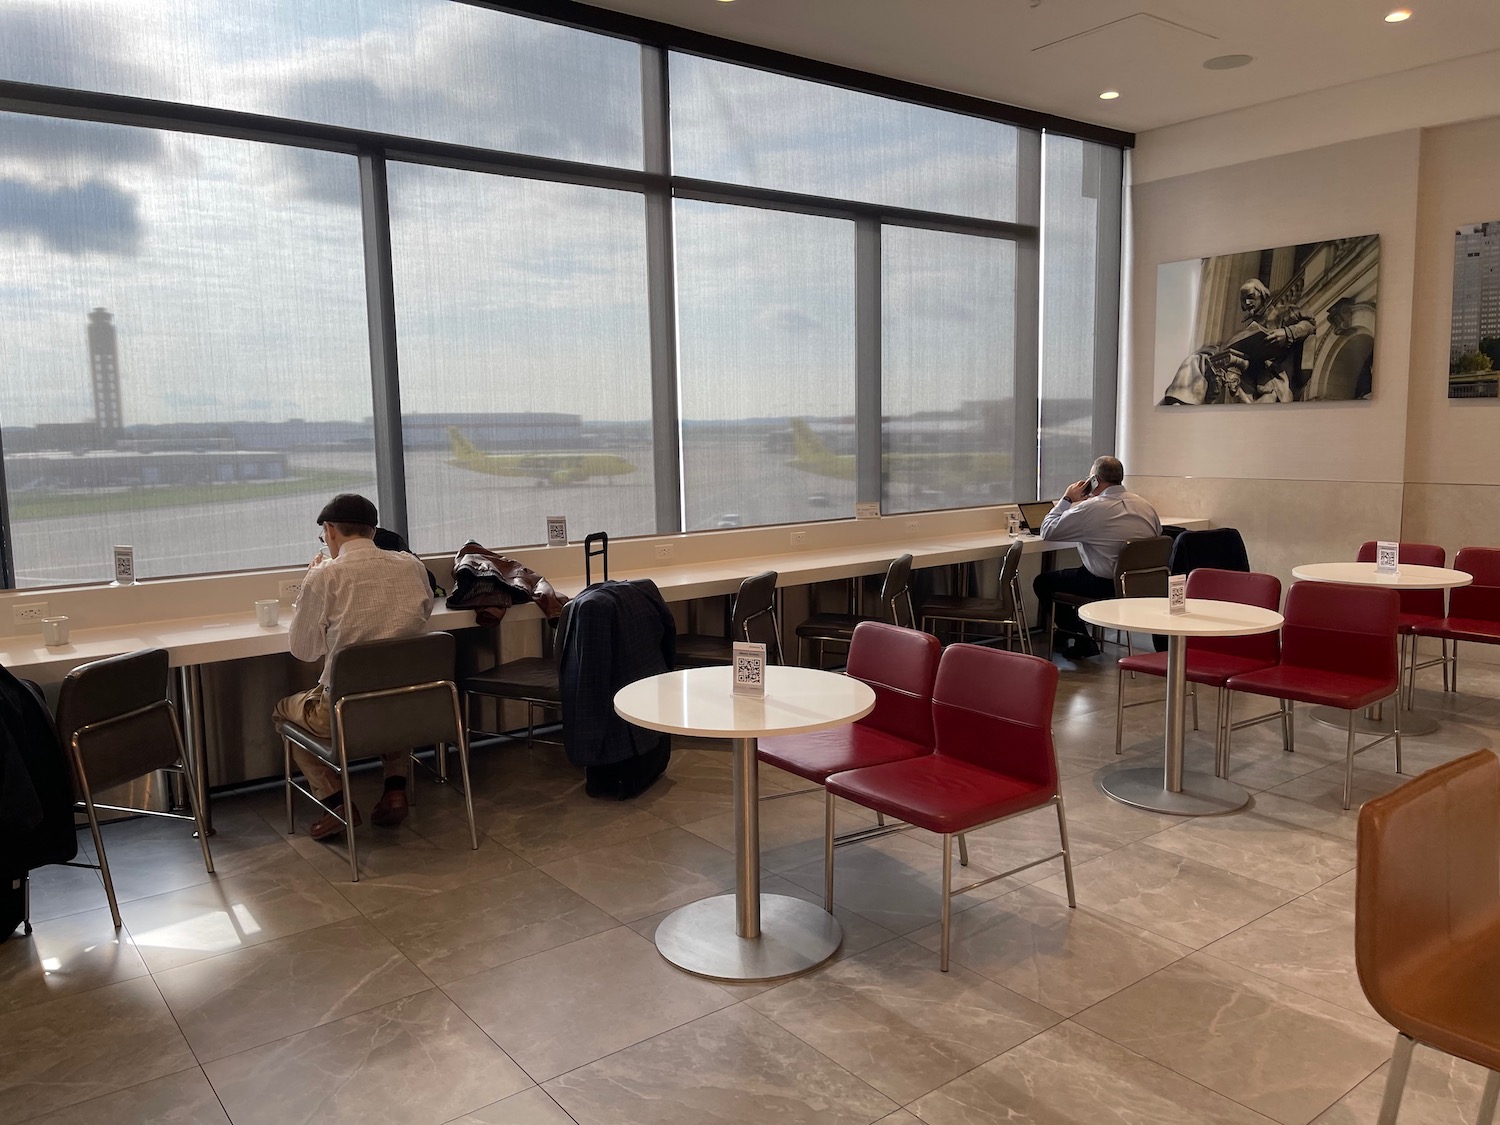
{"x": 617, "y": 633}
{"x": 36, "y": 784}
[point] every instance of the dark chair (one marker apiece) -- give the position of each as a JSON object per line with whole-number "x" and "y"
{"x": 753, "y": 618}
{"x": 1005, "y": 609}
{"x": 992, "y": 759}
{"x": 531, "y": 680}
{"x": 1212, "y": 660}
{"x": 1338, "y": 649}
{"x": 1427, "y": 919}
{"x": 1473, "y": 610}
{"x": 1220, "y": 548}
{"x": 1140, "y": 572}
{"x": 895, "y": 608}
{"x": 116, "y": 724}
{"x": 384, "y": 696}
{"x": 1418, "y": 607}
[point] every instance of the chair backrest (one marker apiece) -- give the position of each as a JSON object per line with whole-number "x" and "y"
{"x": 993, "y": 708}
{"x": 1429, "y": 603}
{"x": 1334, "y": 628}
{"x": 900, "y": 665}
{"x": 1428, "y": 874}
{"x": 1009, "y": 587}
{"x": 754, "y": 616}
{"x": 1141, "y": 570}
{"x": 895, "y": 593}
{"x": 1222, "y": 548}
{"x": 1482, "y": 599}
{"x": 420, "y": 709}
{"x": 1247, "y": 588}
{"x": 118, "y": 709}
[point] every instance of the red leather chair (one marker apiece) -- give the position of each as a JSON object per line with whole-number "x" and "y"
{"x": 992, "y": 759}
{"x": 1212, "y": 660}
{"x": 1338, "y": 649}
{"x": 1473, "y": 611}
{"x": 1418, "y": 607}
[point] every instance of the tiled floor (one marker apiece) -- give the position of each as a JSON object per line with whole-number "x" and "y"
{"x": 1206, "y": 977}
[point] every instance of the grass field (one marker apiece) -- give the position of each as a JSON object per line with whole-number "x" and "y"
{"x": 43, "y": 505}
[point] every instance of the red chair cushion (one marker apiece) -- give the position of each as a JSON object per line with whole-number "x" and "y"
{"x": 1314, "y": 685}
{"x": 1462, "y": 629}
{"x": 816, "y": 755}
{"x": 1208, "y": 668}
{"x": 939, "y": 792}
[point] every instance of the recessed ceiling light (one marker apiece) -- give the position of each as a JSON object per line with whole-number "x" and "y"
{"x": 1400, "y": 15}
{"x": 1228, "y": 62}
{"x": 1109, "y": 95}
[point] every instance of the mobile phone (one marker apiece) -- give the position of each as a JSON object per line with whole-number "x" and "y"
{"x": 1093, "y": 485}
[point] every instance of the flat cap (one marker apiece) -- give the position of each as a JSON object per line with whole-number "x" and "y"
{"x": 348, "y": 507}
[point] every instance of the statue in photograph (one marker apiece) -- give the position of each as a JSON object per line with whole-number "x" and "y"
{"x": 1260, "y": 363}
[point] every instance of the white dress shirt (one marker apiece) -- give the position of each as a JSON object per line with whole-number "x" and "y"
{"x": 1101, "y": 525}
{"x": 365, "y": 594}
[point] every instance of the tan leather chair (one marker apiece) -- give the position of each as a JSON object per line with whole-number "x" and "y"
{"x": 1427, "y": 918}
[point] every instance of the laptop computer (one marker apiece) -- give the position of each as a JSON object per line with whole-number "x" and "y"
{"x": 1032, "y": 515}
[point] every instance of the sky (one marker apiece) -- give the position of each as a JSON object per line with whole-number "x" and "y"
{"x": 234, "y": 269}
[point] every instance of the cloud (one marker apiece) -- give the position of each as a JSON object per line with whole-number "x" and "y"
{"x": 54, "y": 140}
{"x": 89, "y": 51}
{"x": 91, "y": 217}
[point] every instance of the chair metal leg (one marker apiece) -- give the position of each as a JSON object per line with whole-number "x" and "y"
{"x": 348, "y": 815}
{"x": 828, "y": 816}
{"x": 1289, "y": 727}
{"x": 1119, "y": 710}
{"x": 1396, "y": 732}
{"x": 1455, "y": 666}
{"x": 947, "y": 899}
{"x": 1228, "y": 726}
{"x": 880, "y": 820}
{"x": 963, "y": 851}
{"x": 1221, "y": 767}
{"x": 1349, "y": 764}
{"x": 1395, "y": 1081}
{"x": 1193, "y": 691}
{"x": 88, "y": 806}
{"x": 1443, "y": 652}
{"x": 463, "y": 767}
{"x": 193, "y": 791}
{"x": 1488, "y": 1099}
{"x": 286, "y": 757}
{"x": 1067, "y": 852}
{"x": 26, "y": 904}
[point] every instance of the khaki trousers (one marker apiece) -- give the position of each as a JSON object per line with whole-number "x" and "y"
{"x": 309, "y": 710}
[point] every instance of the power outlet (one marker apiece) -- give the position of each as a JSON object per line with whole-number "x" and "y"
{"x": 799, "y": 539}
{"x": 289, "y": 591}
{"x": 912, "y": 525}
{"x": 28, "y": 612}
{"x": 663, "y": 552}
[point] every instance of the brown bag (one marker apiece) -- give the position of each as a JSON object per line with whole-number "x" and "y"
{"x": 490, "y": 583}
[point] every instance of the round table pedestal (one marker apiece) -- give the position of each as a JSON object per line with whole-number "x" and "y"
{"x": 795, "y": 936}
{"x": 1412, "y": 722}
{"x": 1202, "y": 794}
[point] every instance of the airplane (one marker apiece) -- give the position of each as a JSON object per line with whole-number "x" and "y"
{"x": 942, "y": 471}
{"x": 545, "y": 468}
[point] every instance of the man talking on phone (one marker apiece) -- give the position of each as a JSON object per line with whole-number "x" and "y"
{"x": 1100, "y": 516}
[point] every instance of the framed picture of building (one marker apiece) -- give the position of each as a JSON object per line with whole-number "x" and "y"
{"x": 1284, "y": 325}
{"x": 1474, "y": 346}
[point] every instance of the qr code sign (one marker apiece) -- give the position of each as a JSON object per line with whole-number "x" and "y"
{"x": 749, "y": 669}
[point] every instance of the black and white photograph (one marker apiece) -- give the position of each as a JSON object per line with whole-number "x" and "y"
{"x": 1288, "y": 324}
{"x": 1474, "y": 347}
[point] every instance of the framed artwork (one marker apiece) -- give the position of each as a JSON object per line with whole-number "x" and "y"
{"x": 1474, "y": 345}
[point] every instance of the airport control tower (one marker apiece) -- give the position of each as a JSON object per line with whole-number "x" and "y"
{"x": 104, "y": 371}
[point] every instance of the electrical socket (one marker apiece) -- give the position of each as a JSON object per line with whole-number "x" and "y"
{"x": 290, "y": 590}
{"x": 912, "y": 525}
{"x": 26, "y": 612}
{"x": 663, "y": 551}
{"x": 799, "y": 539}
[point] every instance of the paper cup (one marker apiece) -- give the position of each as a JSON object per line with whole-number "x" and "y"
{"x": 268, "y": 612}
{"x": 54, "y": 631}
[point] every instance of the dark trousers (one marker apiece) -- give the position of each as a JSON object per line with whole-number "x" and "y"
{"x": 1073, "y": 580}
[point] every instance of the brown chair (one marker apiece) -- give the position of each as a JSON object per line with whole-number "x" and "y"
{"x": 754, "y": 618}
{"x": 1141, "y": 571}
{"x": 895, "y": 609}
{"x": 1005, "y": 609}
{"x": 1427, "y": 919}
{"x": 116, "y": 723}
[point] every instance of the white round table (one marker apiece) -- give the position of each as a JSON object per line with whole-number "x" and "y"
{"x": 1407, "y": 577}
{"x": 1174, "y": 789}
{"x": 746, "y": 936}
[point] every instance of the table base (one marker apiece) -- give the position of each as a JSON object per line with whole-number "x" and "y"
{"x": 1413, "y": 723}
{"x": 1202, "y": 794}
{"x": 794, "y": 936}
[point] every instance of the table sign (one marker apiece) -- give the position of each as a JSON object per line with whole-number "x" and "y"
{"x": 557, "y": 531}
{"x": 867, "y": 510}
{"x": 1386, "y": 558}
{"x": 749, "y": 668}
{"x": 124, "y": 566}
{"x": 1177, "y": 593}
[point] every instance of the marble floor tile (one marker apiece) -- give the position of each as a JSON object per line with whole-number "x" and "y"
{"x": 892, "y": 1018}
{"x": 542, "y": 827}
{"x": 1178, "y": 898}
{"x": 900, "y": 1117}
{"x": 1086, "y": 805}
{"x": 734, "y": 1067}
{"x": 58, "y": 890}
{"x": 1440, "y": 1090}
{"x": 416, "y": 1061}
{"x": 68, "y": 954}
{"x": 1307, "y": 944}
{"x": 240, "y": 1000}
{"x": 791, "y": 830}
{"x": 1257, "y": 844}
{"x": 233, "y": 913}
{"x": 557, "y": 1010}
{"x": 1070, "y": 1076}
{"x": 1315, "y": 801}
{"x": 647, "y": 875}
{"x": 1279, "y": 1051}
{"x": 700, "y": 784}
{"x": 469, "y": 929}
{"x": 86, "y": 1045}
{"x": 184, "y": 1098}
{"x": 530, "y": 1107}
{"x": 1025, "y": 839}
{"x": 1035, "y": 945}
{"x": 1337, "y": 892}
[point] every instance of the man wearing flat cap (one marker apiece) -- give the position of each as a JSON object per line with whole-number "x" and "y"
{"x": 358, "y": 593}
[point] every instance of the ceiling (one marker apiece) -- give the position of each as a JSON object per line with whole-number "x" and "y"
{"x": 1058, "y": 55}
